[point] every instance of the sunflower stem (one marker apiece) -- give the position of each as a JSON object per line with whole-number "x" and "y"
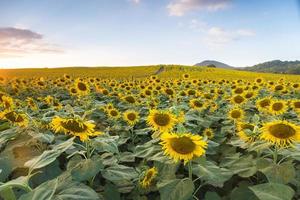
{"x": 88, "y": 150}
{"x": 190, "y": 170}
{"x": 275, "y": 155}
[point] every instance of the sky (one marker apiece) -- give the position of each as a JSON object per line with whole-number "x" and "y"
{"x": 56, "y": 33}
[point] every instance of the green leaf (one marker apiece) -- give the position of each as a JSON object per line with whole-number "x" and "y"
{"x": 49, "y": 156}
{"x": 176, "y": 189}
{"x": 111, "y": 192}
{"x": 6, "y": 167}
{"x": 127, "y": 157}
{"x": 147, "y": 150}
{"x": 210, "y": 172}
{"x": 242, "y": 193}
{"x": 4, "y": 126}
{"x": 8, "y": 194}
{"x": 61, "y": 190}
{"x": 212, "y": 196}
{"x": 105, "y": 144}
{"x": 86, "y": 169}
{"x": 21, "y": 182}
{"x": 280, "y": 173}
{"x": 273, "y": 191}
{"x": 244, "y": 166}
{"x": 119, "y": 172}
{"x": 7, "y": 135}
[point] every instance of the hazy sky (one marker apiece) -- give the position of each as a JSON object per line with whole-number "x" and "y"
{"x": 52, "y": 33}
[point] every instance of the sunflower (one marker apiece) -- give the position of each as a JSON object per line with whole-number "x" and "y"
{"x": 263, "y": 104}
{"x": 129, "y": 99}
{"x": 131, "y": 117}
{"x": 280, "y": 133}
{"x": 49, "y": 100}
{"x": 208, "y": 132}
{"x": 259, "y": 80}
{"x": 113, "y": 113}
{"x": 238, "y": 99}
{"x": 238, "y": 90}
{"x": 31, "y": 103}
{"x": 74, "y": 126}
{"x": 7, "y": 102}
{"x": 109, "y": 106}
{"x": 82, "y": 87}
{"x": 15, "y": 118}
{"x": 197, "y": 104}
{"x": 278, "y": 107}
{"x": 161, "y": 120}
{"x": 236, "y": 114}
{"x": 185, "y": 76}
{"x": 295, "y": 104}
{"x": 73, "y": 91}
{"x": 183, "y": 147}
{"x": 249, "y": 94}
{"x": 148, "y": 177}
{"x": 243, "y": 131}
{"x": 278, "y": 87}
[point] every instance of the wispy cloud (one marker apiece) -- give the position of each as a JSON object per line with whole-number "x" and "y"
{"x": 16, "y": 42}
{"x": 215, "y": 36}
{"x": 135, "y": 1}
{"x": 181, "y": 7}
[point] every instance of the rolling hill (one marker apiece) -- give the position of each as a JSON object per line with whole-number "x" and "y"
{"x": 215, "y": 63}
{"x": 276, "y": 66}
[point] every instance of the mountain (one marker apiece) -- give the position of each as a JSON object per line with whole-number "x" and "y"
{"x": 276, "y": 66}
{"x": 215, "y": 63}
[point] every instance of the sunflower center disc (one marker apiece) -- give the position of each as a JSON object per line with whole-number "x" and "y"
{"x": 130, "y": 99}
{"x": 162, "y": 119}
{"x": 282, "y": 131}
{"x": 183, "y": 145}
{"x": 11, "y": 116}
{"x": 238, "y": 99}
{"x": 236, "y": 114}
{"x": 248, "y": 126}
{"x": 131, "y": 116}
{"x": 297, "y": 104}
{"x": 264, "y": 103}
{"x": 277, "y": 106}
{"x": 82, "y": 86}
{"x": 198, "y": 104}
{"x": 113, "y": 113}
{"x": 74, "y": 126}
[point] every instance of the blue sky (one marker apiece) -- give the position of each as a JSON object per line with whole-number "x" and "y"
{"x": 52, "y": 33}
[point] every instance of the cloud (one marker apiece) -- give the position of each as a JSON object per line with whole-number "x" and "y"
{"x": 17, "y": 42}
{"x": 135, "y": 1}
{"x": 216, "y": 37}
{"x": 181, "y": 7}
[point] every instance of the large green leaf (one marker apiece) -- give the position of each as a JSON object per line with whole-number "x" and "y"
{"x": 243, "y": 166}
{"x": 273, "y": 191}
{"x": 7, "y": 135}
{"x": 242, "y": 192}
{"x": 280, "y": 173}
{"x": 49, "y": 156}
{"x": 176, "y": 189}
{"x": 105, "y": 144}
{"x": 211, "y": 173}
{"x": 61, "y": 190}
{"x": 86, "y": 169}
{"x": 212, "y": 196}
{"x": 119, "y": 173}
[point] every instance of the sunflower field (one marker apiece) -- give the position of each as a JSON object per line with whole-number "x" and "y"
{"x": 158, "y": 132}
